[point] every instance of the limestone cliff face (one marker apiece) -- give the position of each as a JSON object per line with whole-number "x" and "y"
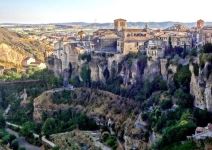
{"x": 196, "y": 89}
{"x": 116, "y": 65}
{"x": 201, "y": 86}
{"x": 208, "y": 94}
{"x": 100, "y": 105}
{"x": 163, "y": 68}
{"x": 152, "y": 70}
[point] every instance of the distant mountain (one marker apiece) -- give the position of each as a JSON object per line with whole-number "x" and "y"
{"x": 14, "y": 48}
{"x": 161, "y": 25}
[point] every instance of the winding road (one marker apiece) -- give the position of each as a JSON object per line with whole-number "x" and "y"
{"x": 22, "y": 141}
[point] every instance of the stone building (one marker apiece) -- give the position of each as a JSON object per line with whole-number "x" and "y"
{"x": 200, "y": 24}
{"x": 120, "y": 39}
{"x": 206, "y": 34}
{"x": 105, "y": 40}
{"x": 120, "y": 24}
{"x": 155, "y": 49}
{"x": 178, "y": 38}
{"x": 133, "y": 40}
{"x": 202, "y": 33}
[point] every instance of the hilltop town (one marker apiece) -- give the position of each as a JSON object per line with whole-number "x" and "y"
{"x": 118, "y": 88}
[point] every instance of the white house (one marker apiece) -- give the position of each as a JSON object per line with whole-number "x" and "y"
{"x": 27, "y": 61}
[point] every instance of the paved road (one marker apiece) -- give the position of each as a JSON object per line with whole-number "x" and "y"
{"x": 22, "y": 142}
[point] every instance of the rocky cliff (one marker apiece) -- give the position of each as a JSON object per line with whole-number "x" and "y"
{"x": 201, "y": 86}
{"x": 14, "y": 48}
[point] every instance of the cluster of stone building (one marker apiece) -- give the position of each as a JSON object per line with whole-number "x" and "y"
{"x": 123, "y": 40}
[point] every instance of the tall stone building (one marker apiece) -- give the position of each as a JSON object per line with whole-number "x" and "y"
{"x": 200, "y": 24}
{"x": 120, "y": 39}
{"x": 120, "y": 24}
{"x": 203, "y": 34}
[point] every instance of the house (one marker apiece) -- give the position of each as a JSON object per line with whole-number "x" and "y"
{"x": 155, "y": 49}
{"x": 105, "y": 40}
{"x": 202, "y": 133}
{"x": 27, "y": 61}
{"x": 38, "y": 65}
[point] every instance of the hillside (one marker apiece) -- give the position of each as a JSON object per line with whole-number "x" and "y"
{"x": 14, "y": 48}
{"x": 99, "y": 105}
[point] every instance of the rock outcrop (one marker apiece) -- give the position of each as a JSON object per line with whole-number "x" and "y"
{"x": 101, "y": 106}
{"x": 201, "y": 87}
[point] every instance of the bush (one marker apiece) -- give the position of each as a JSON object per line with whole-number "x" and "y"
{"x": 86, "y": 75}
{"x": 196, "y": 69}
{"x": 184, "y": 100}
{"x": 183, "y": 77}
{"x": 2, "y": 121}
{"x": 188, "y": 145}
{"x": 14, "y": 144}
{"x": 63, "y": 97}
{"x": 110, "y": 141}
{"x": 166, "y": 104}
{"x": 207, "y": 48}
{"x": 178, "y": 131}
{"x": 85, "y": 56}
{"x": 49, "y": 127}
{"x": 27, "y": 129}
{"x": 193, "y": 52}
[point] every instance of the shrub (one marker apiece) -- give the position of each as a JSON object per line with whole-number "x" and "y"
{"x": 183, "y": 99}
{"x": 207, "y": 48}
{"x": 110, "y": 141}
{"x": 166, "y": 104}
{"x": 183, "y": 77}
{"x": 14, "y": 144}
{"x": 196, "y": 69}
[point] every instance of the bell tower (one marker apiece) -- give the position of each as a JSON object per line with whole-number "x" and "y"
{"x": 120, "y": 24}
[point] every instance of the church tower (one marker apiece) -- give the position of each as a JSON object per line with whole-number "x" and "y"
{"x": 120, "y": 24}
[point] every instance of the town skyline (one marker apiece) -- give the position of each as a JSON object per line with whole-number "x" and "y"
{"x": 103, "y": 11}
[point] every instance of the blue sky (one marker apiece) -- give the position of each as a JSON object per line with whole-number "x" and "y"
{"x": 51, "y": 11}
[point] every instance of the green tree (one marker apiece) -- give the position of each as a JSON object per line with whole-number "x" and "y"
{"x": 86, "y": 75}
{"x": 170, "y": 43}
{"x": 166, "y": 104}
{"x": 207, "y": 48}
{"x": 14, "y": 144}
{"x": 49, "y": 127}
{"x": 183, "y": 99}
{"x": 2, "y": 121}
{"x": 106, "y": 74}
{"x": 27, "y": 129}
{"x": 183, "y": 77}
{"x": 193, "y": 52}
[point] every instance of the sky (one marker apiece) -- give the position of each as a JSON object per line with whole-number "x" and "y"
{"x": 62, "y": 11}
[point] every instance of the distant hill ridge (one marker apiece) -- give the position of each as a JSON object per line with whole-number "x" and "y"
{"x": 161, "y": 25}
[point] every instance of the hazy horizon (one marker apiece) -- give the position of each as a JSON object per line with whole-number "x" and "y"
{"x": 103, "y": 11}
